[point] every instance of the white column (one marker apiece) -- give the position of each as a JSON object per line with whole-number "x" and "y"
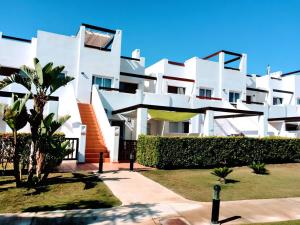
{"x": 221, "y": 71}
{"x": 195, "y": 125}
{"x": 262, "y": 126}
{"x": 141, "y": 121}
{"x": 136, "y": 53}
{"x": 114, "y": 152}
{"x": 159, "y": 82}
{"x": 270, "y": 96}
{"x": 208, "y": 129}
{"x": 243, "y": 64}
{"x": 82, "y": 141}
{"x": 282, "y": 131}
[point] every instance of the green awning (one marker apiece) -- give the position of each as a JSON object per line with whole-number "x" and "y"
{"x": 170, "y": 115}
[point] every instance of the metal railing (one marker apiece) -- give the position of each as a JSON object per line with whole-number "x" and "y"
{"x": 125, "y": 148}
{"x": 74, "y": 145}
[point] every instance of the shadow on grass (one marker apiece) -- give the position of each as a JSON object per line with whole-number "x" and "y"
{"x": 229, "y": 219}
{"x": 38, "y": 190}
{"x": 8, "y": 181}
{"x": 231, "y": 181}
{"x": 267, "y": 172}
{"x": 89, "y": 180}
{"x": 82, "y": 204}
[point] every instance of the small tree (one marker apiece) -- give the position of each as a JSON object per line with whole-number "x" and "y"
{"x": 43, "y": 81}
{"x": 222, "y": 173}
{"x": 16, "y": 117}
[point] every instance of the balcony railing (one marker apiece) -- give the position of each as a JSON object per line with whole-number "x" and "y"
{"x": 256, "y": 103}
{"x": 209, "y": 98}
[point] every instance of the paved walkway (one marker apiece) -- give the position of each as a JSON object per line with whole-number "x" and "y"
{"x": 147, "y": 202}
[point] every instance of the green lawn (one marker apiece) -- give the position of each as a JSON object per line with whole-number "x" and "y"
{"x": 291, "y": 222}
{"x": 65, "y": 191}
{"x": 196, "y": 184}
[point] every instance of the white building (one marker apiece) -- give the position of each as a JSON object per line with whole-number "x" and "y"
{"x": 114, "y": 98}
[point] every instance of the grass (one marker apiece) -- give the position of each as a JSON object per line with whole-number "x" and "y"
{"x": 196, "y": 184}
{"x": 291, "y": 222}
{"x": 64, "y": 191}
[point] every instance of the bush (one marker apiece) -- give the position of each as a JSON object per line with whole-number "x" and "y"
{"x": 210, "y": 152}
{"x": 258, "y": 168}
{"x": 222, "y": 173}
{"x": 24, "y": 139}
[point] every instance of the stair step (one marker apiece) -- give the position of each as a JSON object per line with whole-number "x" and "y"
{"x": 96, "y": 160}
{"x": 98, "y": 148}
{"x": 96, "y": 155}
{"x": 94, "y": 139}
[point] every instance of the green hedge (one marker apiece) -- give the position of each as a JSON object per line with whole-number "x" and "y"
{"x": 24, "y": 139}
{"x": 207, "y": 152}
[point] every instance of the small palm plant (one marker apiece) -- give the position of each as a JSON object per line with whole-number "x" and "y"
{"x": 222, "y": 173}
{"x": 16, "y": 117}
{"x": 258, "y": 168}
{"x": 49, "y": 144}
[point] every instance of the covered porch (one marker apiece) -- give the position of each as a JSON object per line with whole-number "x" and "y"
{"x": 176, "y": 121}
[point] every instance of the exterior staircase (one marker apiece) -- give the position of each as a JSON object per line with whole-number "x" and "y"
{"x": 94, "y": 139}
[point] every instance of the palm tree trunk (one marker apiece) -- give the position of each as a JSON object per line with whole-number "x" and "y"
{"x": 31, "y": 162}
{"x": 40, "y": 159}
{"x": 16, "y": 160}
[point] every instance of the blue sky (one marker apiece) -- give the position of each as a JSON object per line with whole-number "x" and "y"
{"x": 267, "y": 30}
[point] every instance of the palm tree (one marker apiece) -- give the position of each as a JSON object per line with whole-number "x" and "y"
{"x": 50, "y": 146}
{"x": 43, "y": 82}
{"x": 16, "y": 117}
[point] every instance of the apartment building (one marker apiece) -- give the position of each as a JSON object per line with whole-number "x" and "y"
{"x": 115, "y": 98}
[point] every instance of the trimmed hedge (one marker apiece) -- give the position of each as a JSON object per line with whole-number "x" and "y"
{"x": 23, "y": 139}
{"x": 208, "y": 152}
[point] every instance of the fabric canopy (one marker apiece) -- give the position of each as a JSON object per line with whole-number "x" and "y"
{"x": 170, "y": 115}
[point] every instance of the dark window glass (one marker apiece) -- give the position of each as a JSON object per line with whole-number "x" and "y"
{"x": 128, "y": 87}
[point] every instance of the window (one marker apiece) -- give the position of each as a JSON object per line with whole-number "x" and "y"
{"x": 128, "y": 87}
{"x": 173, "y": 127}
{"x": 186, "y": 127}
{"x": 298, "y": 101}
{"x": 205, "y": 92}
{"x": 248, "y": 99}
{"x": 176, "y": 90}
{"x": 102, "y": 82}
{"x": 277, "y": 101}
{"x": 234, "y": 96}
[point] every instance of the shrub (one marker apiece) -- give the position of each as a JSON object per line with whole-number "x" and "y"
{"x": 210, "y": 152}
{"x": 222, "y": 173}
{"x": 24, "y": 139}
{"x": 258, "y": 168}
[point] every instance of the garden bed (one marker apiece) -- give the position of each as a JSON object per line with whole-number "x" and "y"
{"x": 64, "y": 191}
{"x": 196, "y": 184}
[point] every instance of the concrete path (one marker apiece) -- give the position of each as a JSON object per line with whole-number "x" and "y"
{"x": 134, "y": 188}
{"x": 147, "y": 202}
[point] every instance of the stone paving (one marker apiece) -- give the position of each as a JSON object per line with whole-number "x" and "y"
{"x": 147, "y": 202}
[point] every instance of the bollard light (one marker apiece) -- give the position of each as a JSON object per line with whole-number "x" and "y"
{"x": 131, "y": 157}
{"x": 101, "y": 162}
{"x": 215, "y": 205}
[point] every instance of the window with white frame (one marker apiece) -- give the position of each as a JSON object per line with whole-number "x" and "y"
{"x": 176, "y": 90}
{"x": 234, "y": 96}
{"x": 277, "y": 101}
{"x": 204, "y": 92}
{"x": 298, "y": 101}
{"x": 102, "y": 81}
